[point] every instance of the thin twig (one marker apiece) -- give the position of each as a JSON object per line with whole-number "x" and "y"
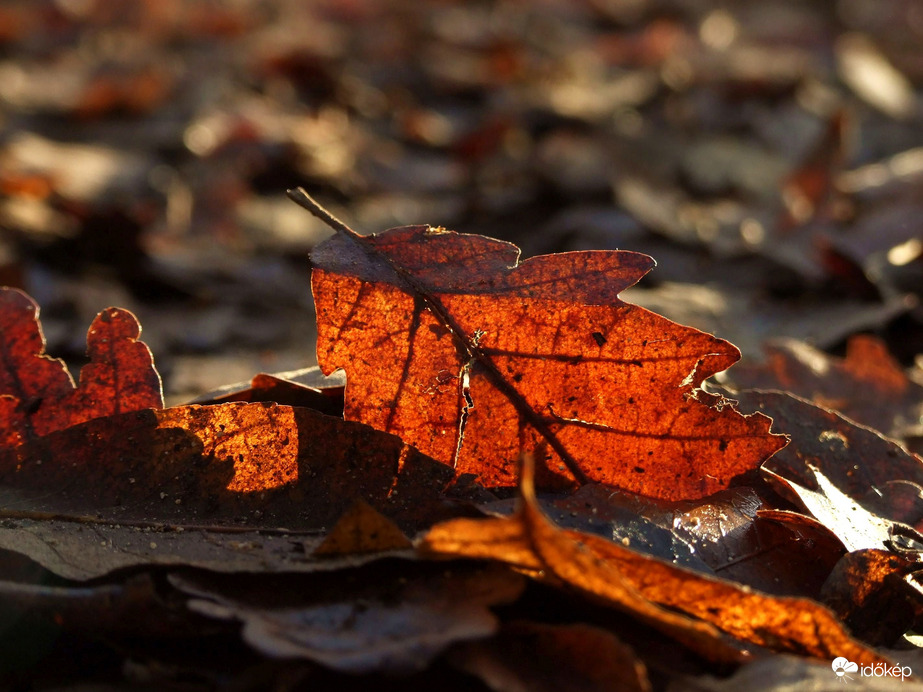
{"x": 300, "y": 197}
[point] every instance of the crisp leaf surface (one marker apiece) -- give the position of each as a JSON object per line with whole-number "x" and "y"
{"x": 451, "y": 343}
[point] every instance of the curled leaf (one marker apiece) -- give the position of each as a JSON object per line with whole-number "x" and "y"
{"x": 698, "y": 610}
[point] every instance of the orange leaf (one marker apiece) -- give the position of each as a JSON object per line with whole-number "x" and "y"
{"x": 284, "y": 467}
{"x": 37, "y": 395}
{"x": 691, "y": 607}
{"x": 455, "y": 346}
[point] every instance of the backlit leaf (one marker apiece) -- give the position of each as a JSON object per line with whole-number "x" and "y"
{"x": 453, "y": 344}
{"x": 37, "y": 395}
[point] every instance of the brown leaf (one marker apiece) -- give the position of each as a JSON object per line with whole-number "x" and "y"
{"x": 872, "y": 470}
{"x": 867, "y": 591}
{"x": 230, "y": 464}
{"x": 868, "y": 385}
{"x": 690, "y": 607}
{"x": 375, "y": 619}
{"x": 37, "y": 393}
{"x": 362, "y": 529}
{"x": 552, "y": 658}
{"x": 86, "y": 549}
{"x": 473, "y": 357}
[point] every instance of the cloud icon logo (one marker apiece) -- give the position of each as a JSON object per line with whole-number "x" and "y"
{"x": 841, "y": 667}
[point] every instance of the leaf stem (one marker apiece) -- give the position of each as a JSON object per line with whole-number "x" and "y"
{"x": 300, "y": 197}
{"x": 467, "y": 343}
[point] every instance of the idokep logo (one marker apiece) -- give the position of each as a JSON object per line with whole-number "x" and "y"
{"x": 843, "y": 667}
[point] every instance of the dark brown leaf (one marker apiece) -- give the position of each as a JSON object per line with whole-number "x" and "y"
{"x": 359, "y": 622}
{"x": 868, "y": 468}
{"x": 868, "y": 385}
{"x": 552, "y": 658}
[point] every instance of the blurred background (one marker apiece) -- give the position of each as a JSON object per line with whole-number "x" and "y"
{"x": 767, "y": 153}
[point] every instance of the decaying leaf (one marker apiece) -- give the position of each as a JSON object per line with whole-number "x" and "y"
{"x": 473, "y": 357}
{"x": 362, "y": 621}
{"x": 37, "y": 395}
{"x": 701, "y": 608}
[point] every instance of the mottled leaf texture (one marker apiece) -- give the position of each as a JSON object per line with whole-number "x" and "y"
{"x": 473, "y": 357}
{"x": 37, "y": 395}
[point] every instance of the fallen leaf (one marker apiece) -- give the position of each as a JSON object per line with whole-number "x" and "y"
{"x": 362, "y": 529}
{"x": 694, "y": 609}
{"x": 856, "y": 527}
{"x": 130, "y": 608}
{"x": 364, "y": 621}
{"x": 473, "y": 357}
{"x": 226, "y": 465}
{"x": 868, "y": 385}
{"x": 875, "y": 472}
{"x": 37, "y": 393}
{"x": 867, "y": 591}
{"x": 84, "y": 549}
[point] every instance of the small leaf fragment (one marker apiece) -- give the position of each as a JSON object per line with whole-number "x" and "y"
{"x": 362, "y": 529}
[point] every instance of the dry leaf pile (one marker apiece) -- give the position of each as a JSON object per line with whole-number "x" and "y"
{"x": 526, "y": 483}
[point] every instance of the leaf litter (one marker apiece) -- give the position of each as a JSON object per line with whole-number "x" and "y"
{"x": 256, "y": 505}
